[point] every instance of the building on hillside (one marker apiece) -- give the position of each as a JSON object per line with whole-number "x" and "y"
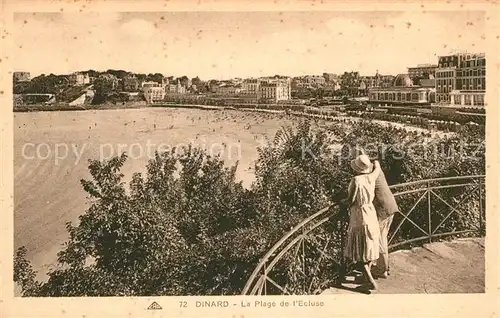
{"x": 370, "y": 81}
{"x": 150, "y": 84}
{"x": 402, "y": 92}
{"x": 22, "y": 77}
{"x": 154, "y": 94}
{"x": 237, "y": 81}
{"x": 299, "y": 82}
{"x": 78, "y": 78}
{"x": 250, "y": 86}
{"x": 422, "y": 70}
{"x": 275, "y": 91}
{"x": 461, "y": 79}
{"x": 315, "y": 80}
{"x": 383, "y": 81}
{"x": 309, "y": 81}
{"x": 176, "y": 88}
{"x": 332, "y": 86}
{"x": 228, "y": 90}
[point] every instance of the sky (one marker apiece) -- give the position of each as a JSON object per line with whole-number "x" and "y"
{"x": 223, "y": 45}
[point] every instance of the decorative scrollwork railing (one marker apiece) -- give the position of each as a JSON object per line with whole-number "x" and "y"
{"x": 308, "y": 258}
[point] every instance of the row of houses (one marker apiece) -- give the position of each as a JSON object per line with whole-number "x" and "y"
{"x": 270, "y": 89}
{"x": 273, "y": 88}
{"x": 155, "y": 92}
{"x": 457, "y": 79}
{"x": 352, "y": 83}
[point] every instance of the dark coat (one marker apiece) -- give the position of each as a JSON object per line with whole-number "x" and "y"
{"x": 384, "y": 201}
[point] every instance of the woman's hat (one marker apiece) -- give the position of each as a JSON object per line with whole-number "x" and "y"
{"x": 362, "y": 164}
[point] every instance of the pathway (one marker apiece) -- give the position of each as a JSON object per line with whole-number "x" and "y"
{"x": 441, "y": 267}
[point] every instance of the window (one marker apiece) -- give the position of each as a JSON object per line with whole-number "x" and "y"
{"x": 479, "y": 99}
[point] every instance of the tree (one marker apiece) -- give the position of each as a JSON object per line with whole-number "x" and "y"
{"x": 157, "y": 240}
{"x": 156, "y": 77}
{"x": 198, "y": 82}
{"x": 92, "y": 73}
{"x": 183, "y": 80}
{"x": 349, "y": 81}
{"x": 118, "y": 73}
{"x": 103, "y": 88}
{"x": 50, "y": 84}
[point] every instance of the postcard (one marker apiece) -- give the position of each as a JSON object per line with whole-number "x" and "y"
{"x": 265, "y": 159}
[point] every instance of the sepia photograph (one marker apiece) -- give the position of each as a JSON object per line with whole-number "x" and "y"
{"x": 248, "y": 153}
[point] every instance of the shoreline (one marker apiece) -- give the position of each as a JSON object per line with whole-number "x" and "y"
{"x": 286, "y": 109}
{"x": 66, "y": 108}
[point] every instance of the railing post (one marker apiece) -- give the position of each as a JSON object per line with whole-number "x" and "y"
{"x": 481, "y": 229}
{"x": 265, "y": 280}
{"x": 303, "y": 252}
{"x": 429, "y": 210}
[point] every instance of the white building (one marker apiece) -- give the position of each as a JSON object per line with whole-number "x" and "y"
{"x": 154, "y": 94}
{"x": 228, "y": 90}
{"x": 275, "y": 91}
{"x": 79, "y": 79}
{"x": 403, "y": 92}
{"x": 250, "y": 86}
{"x": 150, "y": 84}
{"x": 315, "y": 80}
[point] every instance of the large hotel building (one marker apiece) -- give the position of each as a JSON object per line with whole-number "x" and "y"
{"x": 275, "y": 90}
{"x": 461, "y": 80}
{"x": 422, "y": 70}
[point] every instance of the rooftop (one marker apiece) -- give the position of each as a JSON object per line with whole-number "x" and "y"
{"x": 422, "y": 65}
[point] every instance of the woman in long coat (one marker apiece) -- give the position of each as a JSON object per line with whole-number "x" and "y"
{"x": 363, "y": 233}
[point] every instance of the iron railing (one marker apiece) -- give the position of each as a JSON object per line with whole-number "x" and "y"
{"x": 308, "y": 258}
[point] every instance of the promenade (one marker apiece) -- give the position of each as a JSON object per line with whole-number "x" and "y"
{"x": 442, "y": 267}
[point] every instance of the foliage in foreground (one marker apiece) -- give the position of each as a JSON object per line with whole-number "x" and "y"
{"x": 187, "y": 227}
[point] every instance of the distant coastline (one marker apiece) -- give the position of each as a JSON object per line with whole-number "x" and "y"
{"x": 67, "y": 107}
